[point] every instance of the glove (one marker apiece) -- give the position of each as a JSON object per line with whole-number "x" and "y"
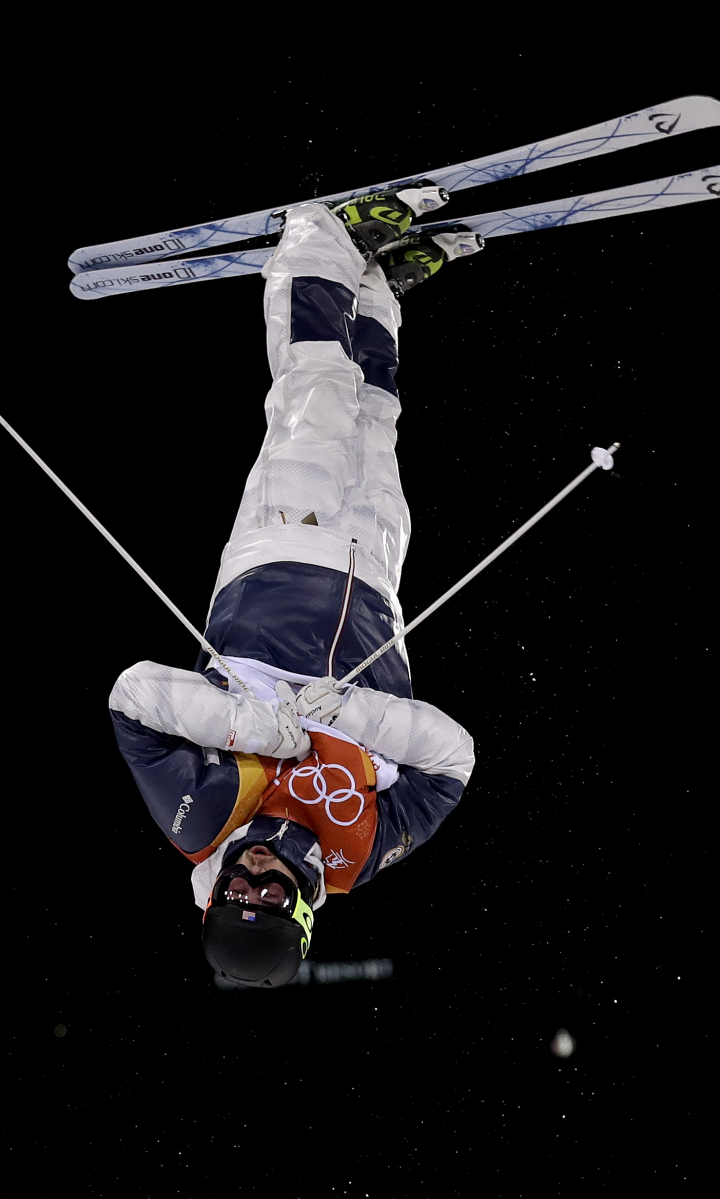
{"x": 294, "y": 741}
{"x": 317, "y": 701}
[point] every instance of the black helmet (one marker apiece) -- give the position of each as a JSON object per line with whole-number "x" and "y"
{"x": 252, "y": 944}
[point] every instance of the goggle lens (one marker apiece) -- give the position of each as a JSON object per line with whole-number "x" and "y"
{"x": 272, "y": 890}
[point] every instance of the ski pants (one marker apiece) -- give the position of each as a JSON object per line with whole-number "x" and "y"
{"x": 329, "y": 451}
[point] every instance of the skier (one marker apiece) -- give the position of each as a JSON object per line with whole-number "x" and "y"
{"x": 298, "y": 789}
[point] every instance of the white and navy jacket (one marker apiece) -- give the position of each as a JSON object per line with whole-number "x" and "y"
{"x": 299, "y": 621}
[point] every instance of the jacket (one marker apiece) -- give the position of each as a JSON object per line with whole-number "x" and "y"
{"x": 199, "y": 748}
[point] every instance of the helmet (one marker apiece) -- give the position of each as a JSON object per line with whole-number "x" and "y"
{"x": 257, "y": 945}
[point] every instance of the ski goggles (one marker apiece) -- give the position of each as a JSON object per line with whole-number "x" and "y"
{"x": 272, "y": 891}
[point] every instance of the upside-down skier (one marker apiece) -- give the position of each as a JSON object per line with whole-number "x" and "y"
{"x": 303, "y": 789}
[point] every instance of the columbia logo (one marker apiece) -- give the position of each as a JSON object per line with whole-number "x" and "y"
{"x": 181, "y": 813}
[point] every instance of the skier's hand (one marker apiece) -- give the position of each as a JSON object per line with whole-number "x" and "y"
{"x": 294, "y": 741}
{"x": 317, "y": 701}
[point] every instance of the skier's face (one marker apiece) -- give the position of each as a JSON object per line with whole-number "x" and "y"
{"x": 258, "y": 859}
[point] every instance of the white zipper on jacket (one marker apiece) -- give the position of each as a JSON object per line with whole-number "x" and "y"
{"x": 345, "y": 605}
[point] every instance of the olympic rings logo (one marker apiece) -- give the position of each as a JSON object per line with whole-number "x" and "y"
{"x": 340, "y": 795}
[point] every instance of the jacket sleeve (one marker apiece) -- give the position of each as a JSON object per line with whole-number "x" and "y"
{"x": 183, "y": 703}
{"x": 408, "y": 731}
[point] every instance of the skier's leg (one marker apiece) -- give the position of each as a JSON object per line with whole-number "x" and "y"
{"x": 307, "y": 461}
{"x": 329, "y": 450}
{"x": 377, "y": 501}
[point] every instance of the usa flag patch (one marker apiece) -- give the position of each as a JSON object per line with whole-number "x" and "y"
{"x": 249, "y": 915}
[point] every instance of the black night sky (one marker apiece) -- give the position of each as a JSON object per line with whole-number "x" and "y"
{"x": 569, "y": 889}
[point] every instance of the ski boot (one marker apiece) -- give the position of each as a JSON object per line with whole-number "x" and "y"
{"x": 377, "y": 219}
{"x": 412, "y": 259}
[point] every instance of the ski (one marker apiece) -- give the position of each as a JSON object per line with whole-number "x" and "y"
{"x": 661, "y": 193}
{"x": 650, "y": 124}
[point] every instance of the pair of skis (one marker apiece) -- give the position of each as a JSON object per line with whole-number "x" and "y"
{"x": 122, "y": 266}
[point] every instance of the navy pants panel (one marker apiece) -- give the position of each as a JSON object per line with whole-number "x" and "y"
{"x": 373, "y": 348}
{"x": 321, "y": 310}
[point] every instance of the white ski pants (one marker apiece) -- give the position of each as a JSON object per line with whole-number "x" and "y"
{"x": 329, "y": 449}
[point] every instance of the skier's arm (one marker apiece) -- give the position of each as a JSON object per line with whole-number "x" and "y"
{"x": 407, "y": 731}
{"x": 184, "y": 704}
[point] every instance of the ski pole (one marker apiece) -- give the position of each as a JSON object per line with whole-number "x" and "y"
{"x": 600, "y": 457}
{"x": 205, "y": 644}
